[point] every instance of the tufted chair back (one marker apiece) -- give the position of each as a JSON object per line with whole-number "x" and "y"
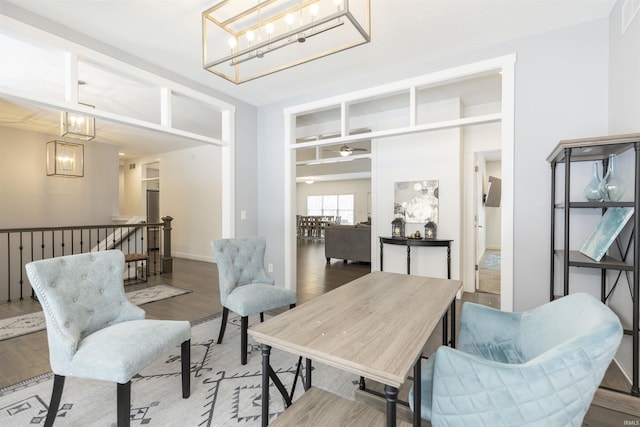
{"x": 240, "y": 262}
{"x": 80, "y": 294}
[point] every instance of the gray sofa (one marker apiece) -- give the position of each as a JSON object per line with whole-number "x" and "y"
{"x": 348, "y": 242}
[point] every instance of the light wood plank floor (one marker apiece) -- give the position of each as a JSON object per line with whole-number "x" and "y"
{"x": 27, "y": 356}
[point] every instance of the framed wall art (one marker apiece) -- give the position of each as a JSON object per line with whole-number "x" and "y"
{"x": 417, "y": 201}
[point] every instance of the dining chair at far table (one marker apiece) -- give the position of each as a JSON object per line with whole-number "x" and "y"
{"x": 94, "y": 331}
{"x": 245, "y": 286}
{"x": 537, "y": 367}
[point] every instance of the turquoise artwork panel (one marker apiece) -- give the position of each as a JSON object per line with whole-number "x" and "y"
{"x": 605, "y": 233}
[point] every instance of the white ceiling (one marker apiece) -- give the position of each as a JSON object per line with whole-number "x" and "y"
{"x": 167, "y": 34}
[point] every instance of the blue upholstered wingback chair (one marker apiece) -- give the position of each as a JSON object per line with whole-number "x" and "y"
{"x": 245, "y": 286}
{"x": 94, "y": 331}
{"x": 536, "y": 368}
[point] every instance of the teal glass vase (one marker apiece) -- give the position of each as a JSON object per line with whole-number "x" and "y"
{"x": 592, "y": 190}
{"x": 612, "y": 187}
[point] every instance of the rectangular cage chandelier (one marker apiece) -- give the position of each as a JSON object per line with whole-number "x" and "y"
{"x": 65, "y": 159}
{"x": 249, "y": 39}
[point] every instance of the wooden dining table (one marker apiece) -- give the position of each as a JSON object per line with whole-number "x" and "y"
{"x": 375, "y": 326}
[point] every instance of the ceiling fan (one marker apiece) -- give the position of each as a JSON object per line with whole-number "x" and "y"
{"x": 345, "y": 150}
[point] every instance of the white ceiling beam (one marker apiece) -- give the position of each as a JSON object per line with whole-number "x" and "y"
{"x": 106, "y": 115}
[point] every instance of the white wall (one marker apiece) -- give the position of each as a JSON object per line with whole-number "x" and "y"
{"x": 360, "y": 188}
{"x": 433, "y": 156}
{"x": 30, "y": 198}
{"x": 132, "y": 197}
{"x": 247, "y": 167}
{"x": 624, "y": 73}
{"x": 561, "y": 93}
{"x": 190, "y": 192}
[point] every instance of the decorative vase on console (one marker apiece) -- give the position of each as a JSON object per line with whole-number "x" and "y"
{"x": 612, "y": 187}
{"x": 592, "y": 191}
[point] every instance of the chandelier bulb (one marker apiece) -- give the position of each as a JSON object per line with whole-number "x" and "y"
{"x": 251, "y": 36}
{"x": 232, "y": 42}
{"x": 313, "y": 9}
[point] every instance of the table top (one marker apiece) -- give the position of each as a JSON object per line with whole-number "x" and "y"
{"x": 415, "y": 242}
{"x": 374, "y": 326}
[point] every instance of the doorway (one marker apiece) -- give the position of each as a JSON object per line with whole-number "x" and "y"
{"x": 487, "y": 221}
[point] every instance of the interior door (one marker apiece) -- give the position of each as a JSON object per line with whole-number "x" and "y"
{"x": 479, "y": 215}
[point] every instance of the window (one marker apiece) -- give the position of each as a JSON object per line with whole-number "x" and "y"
{"x": 335, "y": 205}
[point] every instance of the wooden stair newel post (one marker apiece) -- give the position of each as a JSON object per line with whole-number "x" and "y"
{"x": 167, "y": 259}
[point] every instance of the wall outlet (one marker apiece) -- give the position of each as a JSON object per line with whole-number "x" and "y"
{"x": 270, "y": 268}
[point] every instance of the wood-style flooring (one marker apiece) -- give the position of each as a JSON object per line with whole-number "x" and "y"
{"x": 27, "y": 356}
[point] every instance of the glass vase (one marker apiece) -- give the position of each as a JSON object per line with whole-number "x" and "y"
{"x": 612, "y": 187}
{"x": 592, "y": 191}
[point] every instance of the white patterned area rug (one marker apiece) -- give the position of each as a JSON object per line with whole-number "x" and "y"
{"x": 34, "y": 322}
{"x": 223, "y": 392}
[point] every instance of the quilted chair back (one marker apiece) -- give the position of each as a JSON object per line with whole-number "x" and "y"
{"x": 79, "y": 294}
{"x": 540, "y": 367}
{"x": 240, "y": 262}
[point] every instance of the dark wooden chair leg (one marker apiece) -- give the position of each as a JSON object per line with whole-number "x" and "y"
{"x": 291, "y": 306}
{"x": 244, "y": 325}
{"x": 185, "y": 356}
{"x": 261, "y": 316}
{"x": 124, "y": 404}
{"x": 54, "y": 403}
{"x": 223, "y": 323}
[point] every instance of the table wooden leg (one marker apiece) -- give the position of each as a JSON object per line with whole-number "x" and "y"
{"x": 392, "y": 399}
{"x": 445, "y": 328}
{"x": 408, "y": 259}
{"x": 453, "y": 323}
{"x": 307, "y": 378}
{"x": 417, "y": 393}
{"x": 266, "y": 351}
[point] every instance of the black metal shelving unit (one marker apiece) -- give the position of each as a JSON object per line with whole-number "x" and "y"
{"x": 599, "y": 149}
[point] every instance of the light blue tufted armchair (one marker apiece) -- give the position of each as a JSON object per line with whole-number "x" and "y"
{"x": 94, "y": 331}
{"x": 245, "y": 286}
{"x": 536, "y": 368}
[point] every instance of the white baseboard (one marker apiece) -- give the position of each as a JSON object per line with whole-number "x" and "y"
{"x": 193, "y": 257}
{"x": 626, "y": 375}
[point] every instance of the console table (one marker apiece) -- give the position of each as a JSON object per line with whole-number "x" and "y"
{"x": 403, "y": 241}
